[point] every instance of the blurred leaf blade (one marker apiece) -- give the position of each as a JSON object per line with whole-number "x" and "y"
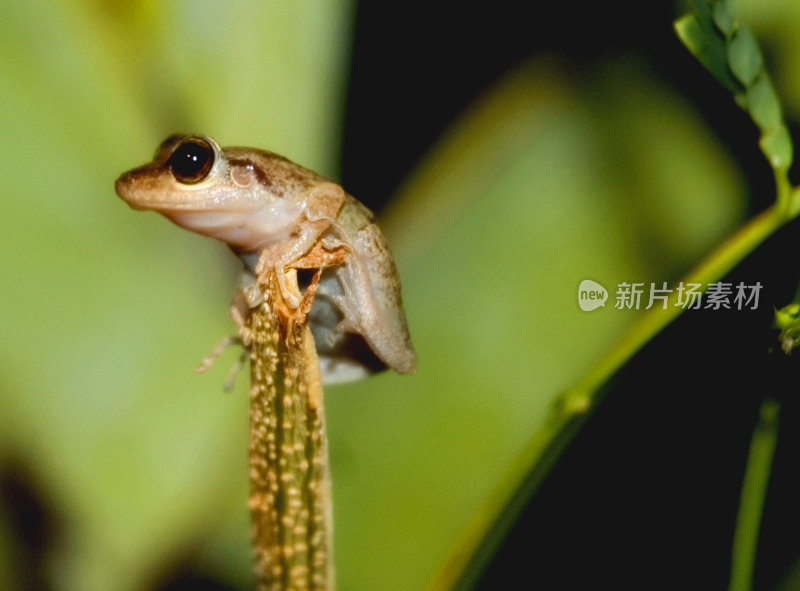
{"x": 119, "y": 306}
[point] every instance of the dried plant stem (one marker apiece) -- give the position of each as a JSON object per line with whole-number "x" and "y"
{"x": 290, "y": 501}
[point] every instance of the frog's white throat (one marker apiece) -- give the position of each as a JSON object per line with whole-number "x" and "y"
{"x": 245, "y": 231}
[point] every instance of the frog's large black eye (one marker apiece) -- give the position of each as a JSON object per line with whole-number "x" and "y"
{"x": 191, "y": 161}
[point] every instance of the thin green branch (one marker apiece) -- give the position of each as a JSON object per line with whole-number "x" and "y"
{"x": 754, "y": 490}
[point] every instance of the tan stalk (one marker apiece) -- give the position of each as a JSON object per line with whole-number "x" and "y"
{"x": 290, "y": 499}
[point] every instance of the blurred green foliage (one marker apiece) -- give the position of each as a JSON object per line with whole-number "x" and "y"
{"x": 548, "y": 179}
{"x": 729, "y": 51}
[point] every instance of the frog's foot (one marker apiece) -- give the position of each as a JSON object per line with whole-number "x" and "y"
{"x": 292, "y": 299}
{"x": 301, "y": 314}
{"x": 327, "y": 252}
{"x": 320, "y": 218}
{"x": 209, "y": 359}
{"x": 332, "y": 244}
{"x": 227, "y": 386}
{"x": 263, "y": 268}
{"x": 308, "y": 297}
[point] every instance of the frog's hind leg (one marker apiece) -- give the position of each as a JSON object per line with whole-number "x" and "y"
{"x": 352, "y": 284}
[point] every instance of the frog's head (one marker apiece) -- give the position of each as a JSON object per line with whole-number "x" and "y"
{"x": 194, "y": 183}
{"x": 187, "y": 172}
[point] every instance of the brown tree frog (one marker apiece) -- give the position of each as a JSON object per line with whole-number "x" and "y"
{"x": 274, "y": 214}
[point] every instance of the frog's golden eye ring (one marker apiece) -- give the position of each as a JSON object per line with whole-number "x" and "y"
{"x": 191, "y": 161}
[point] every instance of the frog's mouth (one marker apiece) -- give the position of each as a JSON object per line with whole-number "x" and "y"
{"x": 149, "y": 188}
{"x": 240, "y": 221}
{"x": 137, "y": 187}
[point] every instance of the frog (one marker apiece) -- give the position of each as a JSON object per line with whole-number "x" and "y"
{"x": 276, "y": 216}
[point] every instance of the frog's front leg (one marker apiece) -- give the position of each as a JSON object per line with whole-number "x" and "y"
{"x": 321, "y": 206}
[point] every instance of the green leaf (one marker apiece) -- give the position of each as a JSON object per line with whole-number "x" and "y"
{"x": 703, "y": 10}
{"x": 723, "y": 16}
{"x": 763, "y": 104}
{"x": 708, "y": 47}
{"x": 731, "y": 54}
{"x": 744, "y": 56}
{"x": 777, "y": 147}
